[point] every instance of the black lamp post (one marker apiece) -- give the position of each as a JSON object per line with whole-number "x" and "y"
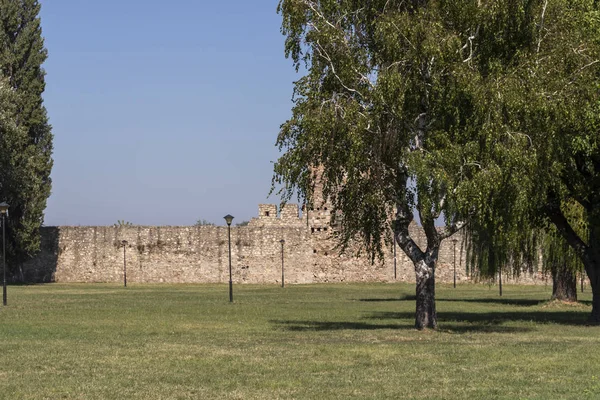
{"x": 454, "y": 243}
{"x": 395, "y": 258}
{"x": 229, "y": 219}
{"x": 124, "y": 243}
{"x": 282, "y": 274}
{"x": 4, "y": 211}
{"x": 395, "y": 224}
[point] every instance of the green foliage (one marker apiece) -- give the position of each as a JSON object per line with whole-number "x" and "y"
{"x": 203, "y": 222}
{"x": 122, "y": 223}
{"x": 485, "y": 112}
{"x": 389, "y": 108}
{"x": 544, "y": 91}
{"x": 26, "y": 138}
{"x": 243, "y": 223}
{"x": 418, "y": 107}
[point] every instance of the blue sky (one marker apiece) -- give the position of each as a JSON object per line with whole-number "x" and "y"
{"x": 163, "y": 112}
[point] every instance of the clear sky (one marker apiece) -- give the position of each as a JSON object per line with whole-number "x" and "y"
{"x": 163, "y": 112}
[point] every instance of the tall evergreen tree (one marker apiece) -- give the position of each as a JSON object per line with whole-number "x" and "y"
{"x": 22, "y": 54}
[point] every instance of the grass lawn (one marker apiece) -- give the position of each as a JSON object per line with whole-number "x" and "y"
{"x": 305, "y": 342}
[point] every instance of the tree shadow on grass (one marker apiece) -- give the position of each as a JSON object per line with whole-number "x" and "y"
{"x": 509, "y": 302}
{"x": 480, "y": 328}
{"x": 302, "y": 326}
{"x": 384, "y": 300}
{"x": 503, "y": 301}
{"x": 321, "y": 326}
{"x": 574, "y": 318}
{"x": 449, "y": 322}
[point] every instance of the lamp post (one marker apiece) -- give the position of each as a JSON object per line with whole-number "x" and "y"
{"x": 454, "y": 243}
{"x": 4, "y": 211}
{"x": 500, "y": 280}
{"x": 124, "y": 243}
{"x": 282, "y": 274}
{"x": 229, "y": 219}
{"x": 395, "y": 258}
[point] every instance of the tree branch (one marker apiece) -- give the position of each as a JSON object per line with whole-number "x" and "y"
{"x": 428, "y": 223}
{"x": 539, "y": 44}
{"x": 323, "y": 54}
{"x": 452, "y": 229}
{"x": 573, "y": 193}
{"x": 404, "y": 217}
{"x": 441, "y": 205}
{"x": 363, "y": 77}
{"x": 566, "y": 230}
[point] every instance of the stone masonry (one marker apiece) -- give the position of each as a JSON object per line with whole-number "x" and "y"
{"x": 199, "y": 254}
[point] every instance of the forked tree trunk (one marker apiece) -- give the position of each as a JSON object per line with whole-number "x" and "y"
{"x": 424, "y": 261}
{"x": 426, "y": 315}
{"x": 564, "y": 283}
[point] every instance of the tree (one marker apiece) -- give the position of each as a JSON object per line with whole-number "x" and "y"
{"x": 121, "y": 223}
{"x": 390, "y": 109}
{"x": 27, "y": 187}
{"x": 547, "y": 91}
{"x": 14, "y": 149}
{"x": 203, "y": 222}
{"x": 570, "y": 146}
{"x": 483, "y": 112}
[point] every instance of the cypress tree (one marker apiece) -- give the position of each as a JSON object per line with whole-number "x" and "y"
{"x": 26, "y": 184}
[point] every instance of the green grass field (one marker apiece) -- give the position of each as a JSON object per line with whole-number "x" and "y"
{"x": 304, "y": 342}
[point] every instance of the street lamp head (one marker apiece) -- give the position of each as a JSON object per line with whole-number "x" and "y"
{"x": 454, "y": 240}
{"x": 124, "y": 242}
{"x": 282, "y": 241}
{"x": 228, "y": 219}
{"x": 4, "y": 207}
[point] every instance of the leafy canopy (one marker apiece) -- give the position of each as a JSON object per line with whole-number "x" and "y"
{"x": 400, "y": 109}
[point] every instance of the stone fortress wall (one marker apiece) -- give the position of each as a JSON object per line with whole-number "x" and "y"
{"x": 199, "y": 254}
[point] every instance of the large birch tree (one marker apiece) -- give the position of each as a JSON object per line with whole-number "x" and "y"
{"x": 393, "y": 109}
{"x": 478, "y": 111}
